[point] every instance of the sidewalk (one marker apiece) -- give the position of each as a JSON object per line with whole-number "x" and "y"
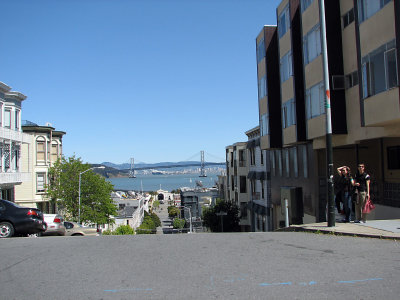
{"x": 384, "y": 229}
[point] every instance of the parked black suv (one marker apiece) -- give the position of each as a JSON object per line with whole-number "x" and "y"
{"x": 17, "y": 220}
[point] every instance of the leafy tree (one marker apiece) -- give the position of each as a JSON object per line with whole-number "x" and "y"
{"x": 148, "y": 226}
{"x": 63, "y": 188}
{"x": 173, "y": 211}
{"x": 178, "y": 223}
{"x": 213, "y": 221}
{"x": 156, "y": 204}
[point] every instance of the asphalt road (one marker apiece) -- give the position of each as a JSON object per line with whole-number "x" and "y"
{"x": 200, "y": 266}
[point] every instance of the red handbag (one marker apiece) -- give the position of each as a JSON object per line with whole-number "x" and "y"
{"x": 369, "y": 206}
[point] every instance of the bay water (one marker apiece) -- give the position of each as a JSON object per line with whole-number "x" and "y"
{"x": 168, "y": 182}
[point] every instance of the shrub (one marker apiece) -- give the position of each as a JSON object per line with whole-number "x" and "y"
{"x": 124, "y": 230}
{"x": 178, "y": 223}
{"x": 106, "y": 232}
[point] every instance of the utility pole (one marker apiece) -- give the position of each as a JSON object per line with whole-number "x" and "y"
{"x": 329, "y": 151}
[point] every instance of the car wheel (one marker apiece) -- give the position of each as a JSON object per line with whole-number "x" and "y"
{"x": 6, "y": 230}
{"x": 77, "y": 234}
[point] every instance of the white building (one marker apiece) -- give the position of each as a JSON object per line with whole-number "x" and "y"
{"x": 12, "y": 173}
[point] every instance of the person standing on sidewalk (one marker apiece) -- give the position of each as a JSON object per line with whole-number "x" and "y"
{"x": 362, "y": 182}
{"x": 345, "y": 182}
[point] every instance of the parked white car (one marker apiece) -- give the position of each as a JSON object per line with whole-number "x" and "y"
{"x": 75, "y": 229}
{"x": 55, "y": 224}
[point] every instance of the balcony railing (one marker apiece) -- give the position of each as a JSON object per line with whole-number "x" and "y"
{"x": 12, "y": 178}
{"x": 14, "y": 135}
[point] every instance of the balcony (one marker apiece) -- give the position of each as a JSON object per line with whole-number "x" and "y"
{"x": 14, "y": 177}
{"x": 14, "y": 135}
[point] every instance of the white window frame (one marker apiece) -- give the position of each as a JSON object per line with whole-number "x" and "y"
{"x": 314, "y": 33}
{"x": 286, "y": 66}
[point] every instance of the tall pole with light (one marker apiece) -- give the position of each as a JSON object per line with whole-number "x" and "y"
{"x": 329, "y": 151}
{"x": 79, "y": 203}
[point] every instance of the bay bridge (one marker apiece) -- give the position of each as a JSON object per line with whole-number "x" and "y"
{"x": 186, "y": 163}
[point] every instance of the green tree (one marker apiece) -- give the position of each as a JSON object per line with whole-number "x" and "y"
{"x": 173, "y": 211}
{"x": 178, "y": 223}
{"x": 156, "y": 204}
{"x": 147, "y": 227}
{"x": 96, "y": 203}
{"x": 213, "y": 221}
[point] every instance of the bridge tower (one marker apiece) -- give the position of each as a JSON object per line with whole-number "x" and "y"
{"x": 132, "y": 170}
{"x": 202, "y": 169}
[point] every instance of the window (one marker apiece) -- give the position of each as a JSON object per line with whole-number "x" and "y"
{"x": 293, "y": 158}
{"x": 40, "y": 150}
{"x": 243, "y": 188}
{"x": 379, "y": 70}
{"x": 260, "y": 50}
{"x": 262, "y": 189}
{"x": 262, "y": 87}
{"x": 16, "y": 120}
{"x": 252, "y": 156}
{"x": 288, "y": 113}
{"x": 264, "y": 124}
{"x": 312, "y": 44}
{"x": 7, "y": 156}
{"x": 40, "y": 182}
{"x": 15, "y": 157}
{"x": 232, "y": 183}
{"x": 243, "y": 210}
{"x": 367, "y": 8}
{"x": 348, "y": 18}
{"x": 315, "y": 100}
{"x": 279, "y": 158}
{"x": 287, "y": 161}
{"x": 272, "y": 158}
{"x": 1, "y": 157}
{"x": 305, "y": 4}
{"x": 242, "y": 158}
{"x": 1, "y": 114}
{"x": 286, "y": 68}
{"x": 54, "y": 152}
{"x": 262, "y": 156}
{"x": 393, "y": 157}
{"x": 351, "y": 80}
{"x": 305, "y": 160}
{"x": 284, "y": 21}
{"x": 7, "y": 118}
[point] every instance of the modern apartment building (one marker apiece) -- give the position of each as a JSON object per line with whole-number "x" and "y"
{"x": 12, "y": 139}
{"x": 258, "y": 182}
{"x": 237, "y": 188}
{"x": 362, "y": 46}
{"x": 45, "y": 150}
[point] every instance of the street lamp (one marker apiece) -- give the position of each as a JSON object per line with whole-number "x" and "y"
{"x": 79, "y": 204}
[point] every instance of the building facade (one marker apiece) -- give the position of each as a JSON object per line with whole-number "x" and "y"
{"x": 362, "y": 46}
{"x": 12, "y": 139}
{"x": 45, "y": 150}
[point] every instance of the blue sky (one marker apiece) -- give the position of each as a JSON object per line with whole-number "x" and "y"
{"x": 157, "y": 80}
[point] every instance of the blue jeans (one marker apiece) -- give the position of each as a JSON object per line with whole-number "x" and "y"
{"x": 347, "y": 204}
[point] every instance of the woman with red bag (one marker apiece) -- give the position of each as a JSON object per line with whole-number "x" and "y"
{"x": 362, "y": 182}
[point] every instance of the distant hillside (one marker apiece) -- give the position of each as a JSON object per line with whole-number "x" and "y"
{"x": 122, "y": 170}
